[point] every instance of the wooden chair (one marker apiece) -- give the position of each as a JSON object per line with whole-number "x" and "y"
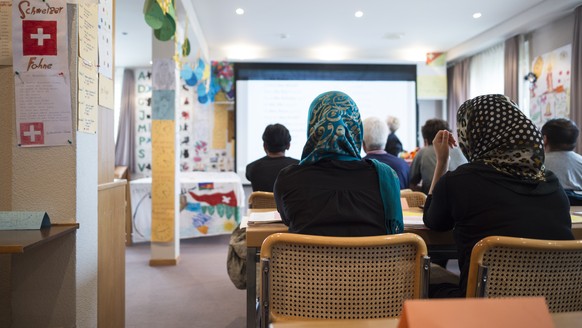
{"x": 509, "y": 266}
{"x": 414, "y": 198}
{"x": 262, "y": 199}
{"x": 317, "y": 277}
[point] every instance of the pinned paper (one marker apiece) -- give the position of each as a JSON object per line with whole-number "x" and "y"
{"x": 24, "y": 220}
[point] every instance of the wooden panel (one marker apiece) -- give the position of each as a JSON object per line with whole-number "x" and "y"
{"x": 106, "y": 146}
{"x": 111, "y": 255}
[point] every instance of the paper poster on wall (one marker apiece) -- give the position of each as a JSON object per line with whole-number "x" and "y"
{"x": 87, "y": 98}
{"x": 106, "y": 88}
{"x": 550, "y": 94}
{"x": 6, "y": 32}
{"x": 143, "y": 122}
{"x": 220, "y": 127}
{"x": 105, "y": 35}
{"x": 39, "y": 37}
{"x": 88, "y": 18}
{"x": 163, "y": 186}
{"x": 43, "y": 110}
{"x": 164, "y": 71}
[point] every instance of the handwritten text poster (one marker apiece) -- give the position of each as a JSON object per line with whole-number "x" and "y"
{"x": 43, "y": 115}
{"x": 5, "y": 32}
{"x": 163, "y": 184}
{"x": 106, "y": 98}
{"x": 87, "y": 95}
{"x": 88, "y": 32}
{"x": 39, "y": 37}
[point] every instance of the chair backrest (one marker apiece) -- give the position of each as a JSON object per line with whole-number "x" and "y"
{"x": 262, "y": 199}
{"x": 509, "y": 266}
{"x": 414, "y": 198}
{"x": 316, "y": 277}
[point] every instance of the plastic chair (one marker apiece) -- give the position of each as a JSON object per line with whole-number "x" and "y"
{"x": 509, "y": 266}
{"x": 317, "y": 277}
{"x": 414, "y": 198}
{"x": 262, "y": 199}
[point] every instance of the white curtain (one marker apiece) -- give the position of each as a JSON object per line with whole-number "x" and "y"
{"x": 486, "y": 72}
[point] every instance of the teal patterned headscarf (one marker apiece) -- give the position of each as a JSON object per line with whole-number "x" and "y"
{"x": 334, "y": 131}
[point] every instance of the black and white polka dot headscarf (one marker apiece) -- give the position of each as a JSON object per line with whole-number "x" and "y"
{"x": 492, "y": 130}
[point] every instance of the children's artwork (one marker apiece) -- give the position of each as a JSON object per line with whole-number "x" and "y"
{"x": 210, "y": 204}
{"x": 550, "y": 94}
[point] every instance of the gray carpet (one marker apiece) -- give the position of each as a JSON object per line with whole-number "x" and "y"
{"x": 195, "y": 293}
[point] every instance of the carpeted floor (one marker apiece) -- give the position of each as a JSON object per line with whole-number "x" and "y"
{"x": 195, "y": 293}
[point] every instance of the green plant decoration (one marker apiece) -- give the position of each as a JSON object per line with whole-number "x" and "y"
{"x": 160, "y": 15}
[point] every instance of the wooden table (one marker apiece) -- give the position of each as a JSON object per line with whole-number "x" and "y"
{"x": 561, "y": 320}
{"x": 441, "y": 245}
{"x": 18, "y": 241}
{"x": 21, "y": 245}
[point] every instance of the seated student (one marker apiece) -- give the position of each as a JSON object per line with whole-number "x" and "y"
{"x": 375, "y": 134}
{"x": 423, "y": 164}
{"x": 263, "y": 172}
{"x": 393, "y": 144}
{"x": 503, "y": 190}
{"x": 332, "y": 191}
{"x": 560, "y": 137}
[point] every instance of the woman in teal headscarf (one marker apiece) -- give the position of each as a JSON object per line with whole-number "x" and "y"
{"x": 333, "y": 191}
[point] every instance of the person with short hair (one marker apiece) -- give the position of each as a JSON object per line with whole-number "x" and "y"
{"x": 423, "y": 164}
{"x": 332, "y": 191}
{"x": 560, "y": 137}
{"x": 263, "y": 172}
{"x": 393, "y": 144}
{"x": 375, "y": 135}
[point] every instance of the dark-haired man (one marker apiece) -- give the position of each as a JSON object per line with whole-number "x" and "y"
{"x": 424, "y": 163}
{"x": 263, "y": 172}
{"x": 560, "y": 136}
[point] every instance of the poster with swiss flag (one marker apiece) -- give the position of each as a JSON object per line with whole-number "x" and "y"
{"x": 42, "y": 87}
{"x": 39, "y": 36}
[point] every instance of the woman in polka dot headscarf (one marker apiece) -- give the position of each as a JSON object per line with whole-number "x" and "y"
{"x": 504, "y": 190}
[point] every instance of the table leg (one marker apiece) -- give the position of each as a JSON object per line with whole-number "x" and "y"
{"x": 251, "y": 287}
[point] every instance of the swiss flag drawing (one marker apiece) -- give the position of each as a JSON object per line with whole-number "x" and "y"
{"x": 32, "y": 133}
{"x": 39, "y": 38}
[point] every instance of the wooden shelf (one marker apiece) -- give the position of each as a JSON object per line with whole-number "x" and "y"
{"x": 18, "y": 241}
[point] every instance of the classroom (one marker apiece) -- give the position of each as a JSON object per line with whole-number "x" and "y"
{"x": 129, "y": 129}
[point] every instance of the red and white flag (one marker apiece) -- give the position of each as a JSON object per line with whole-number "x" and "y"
{"x": 39, "y": 38}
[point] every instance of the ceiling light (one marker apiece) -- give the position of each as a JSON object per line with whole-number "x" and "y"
{"x": 239, "y": 11}
{"x": 476, "y": 15}
{"x": 359, "y": 14}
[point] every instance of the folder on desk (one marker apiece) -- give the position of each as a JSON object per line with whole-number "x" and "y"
{"x": 264, "y": 217}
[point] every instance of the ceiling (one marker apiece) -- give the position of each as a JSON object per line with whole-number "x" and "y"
{"x": 327, "y": 30}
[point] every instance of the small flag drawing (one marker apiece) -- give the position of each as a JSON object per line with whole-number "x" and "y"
{"x": 206, "y": 186}
{"x": 39, "y": 38}
{"x": 228, "y": 198}
{"x": 32, "y": 133}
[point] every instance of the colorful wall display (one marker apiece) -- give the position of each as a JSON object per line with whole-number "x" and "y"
{"x": 550, "y": 94}
{"x": 199, "y": 151}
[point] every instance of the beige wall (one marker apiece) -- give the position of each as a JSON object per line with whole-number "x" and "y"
{"x": 551, "y": 36}
{"x": 56, "y": 284}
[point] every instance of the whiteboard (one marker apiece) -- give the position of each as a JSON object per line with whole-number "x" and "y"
{"x": 263, "y": 102}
